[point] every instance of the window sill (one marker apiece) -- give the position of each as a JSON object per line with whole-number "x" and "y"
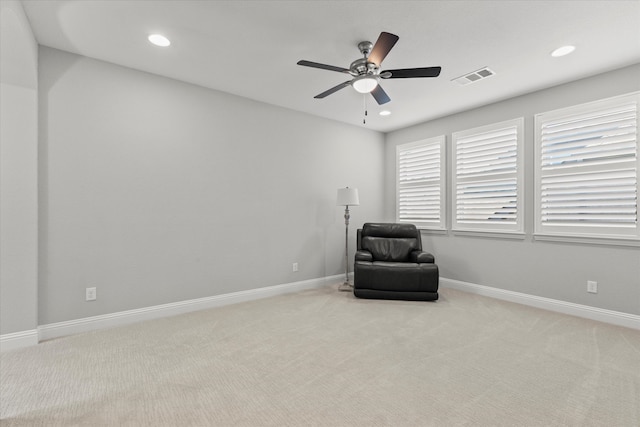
{"x": 590, "y": 240}
{"x": 426, "y": 230}
{"x": 510, "y": 235}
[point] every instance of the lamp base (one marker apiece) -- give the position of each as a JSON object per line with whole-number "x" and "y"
{"x": 346, "y": 287}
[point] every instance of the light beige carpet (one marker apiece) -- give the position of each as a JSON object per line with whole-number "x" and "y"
{"x": 324, "y": 358}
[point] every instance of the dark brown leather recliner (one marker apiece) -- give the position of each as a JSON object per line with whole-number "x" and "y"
{"x": 390, "y": 264}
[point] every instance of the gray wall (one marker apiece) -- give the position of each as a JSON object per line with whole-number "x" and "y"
{"x": 157, "y": 191}
{"x": 18, "y": 171}
{"x": 553, "y": 270}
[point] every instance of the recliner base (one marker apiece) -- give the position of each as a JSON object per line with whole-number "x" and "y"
{"x": 395, "y": 295}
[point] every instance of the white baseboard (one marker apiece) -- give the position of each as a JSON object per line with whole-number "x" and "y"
{"x": 585, "y": 311}
{"x": 87, "y": 324}
{"x": 18, "y": 340}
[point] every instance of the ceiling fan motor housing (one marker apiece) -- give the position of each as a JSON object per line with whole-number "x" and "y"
{"x": 362, "y": 66}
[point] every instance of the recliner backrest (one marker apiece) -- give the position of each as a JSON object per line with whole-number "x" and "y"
{"x": 389, "y": 242}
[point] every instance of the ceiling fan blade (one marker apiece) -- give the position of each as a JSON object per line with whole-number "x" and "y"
{"x": 407, "y": 73}
{"x": 380, "y": 95}
{"x": 322, "y": 66}
{"x": 382, "y": 47}
{"x": 333, "y": 89}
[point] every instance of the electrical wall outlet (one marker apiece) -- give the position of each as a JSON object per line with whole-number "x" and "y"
{"x": 592, "y": 287}
{"x": 90, "y": 294}
{"x": 295, "y": 266}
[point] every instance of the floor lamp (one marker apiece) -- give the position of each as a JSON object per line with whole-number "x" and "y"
{"x": 347, "y": 197}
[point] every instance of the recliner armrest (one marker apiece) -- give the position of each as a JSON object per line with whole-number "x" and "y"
{"x": 421, "y": 257}
{"x": 363, "y": 255}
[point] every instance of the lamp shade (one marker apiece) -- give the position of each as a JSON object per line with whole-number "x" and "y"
{"x": 348, "y": 197}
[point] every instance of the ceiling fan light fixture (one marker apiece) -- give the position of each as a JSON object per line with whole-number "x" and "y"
{"x": 365, "y": 84}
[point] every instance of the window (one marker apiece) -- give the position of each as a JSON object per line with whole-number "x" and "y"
{"x": 587, "y": 170}
{"x": 487, "y": 178}
{"x": 420, "y": 183}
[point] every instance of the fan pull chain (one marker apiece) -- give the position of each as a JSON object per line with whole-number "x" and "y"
{"x": 364, "y": 119}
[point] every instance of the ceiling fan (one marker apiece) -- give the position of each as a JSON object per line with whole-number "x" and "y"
{"x": 366, "y": 71}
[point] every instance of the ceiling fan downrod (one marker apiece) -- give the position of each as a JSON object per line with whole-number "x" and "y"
{"x": 365, "y": 48}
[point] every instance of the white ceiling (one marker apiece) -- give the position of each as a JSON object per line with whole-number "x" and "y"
{"x": 250, "y": 48}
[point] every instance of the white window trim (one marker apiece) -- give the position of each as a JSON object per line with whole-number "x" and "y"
{"x": 577, "y": 234}
{"x": 588, "y": 240}
{"x": 433, "y": 227}
{"x": 490, "y": 229}
{"x": 507, "y": 235}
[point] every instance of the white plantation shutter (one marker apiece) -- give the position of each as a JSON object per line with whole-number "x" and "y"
{"x": 587, "y": 158}
{"x": 488, "y": 178}
{"x": 420, "y": 183}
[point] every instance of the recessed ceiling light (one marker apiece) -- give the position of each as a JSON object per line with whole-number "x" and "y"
{"x": 385, "y": 113}
{"x": 562, "y": 51}
{"x": 159, "y": 40}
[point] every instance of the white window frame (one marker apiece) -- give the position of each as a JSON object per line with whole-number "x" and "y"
{"x": 620, "y": 234}
{"x": 489, "y": 226}
{"x": 440, "y": 223}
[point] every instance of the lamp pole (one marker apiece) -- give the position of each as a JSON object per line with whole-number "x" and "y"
{"x": 346, "y": 286}
{"x": 347, "y": 197}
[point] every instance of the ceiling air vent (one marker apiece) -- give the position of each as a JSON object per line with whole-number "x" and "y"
{"x": 475, "y": 76}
